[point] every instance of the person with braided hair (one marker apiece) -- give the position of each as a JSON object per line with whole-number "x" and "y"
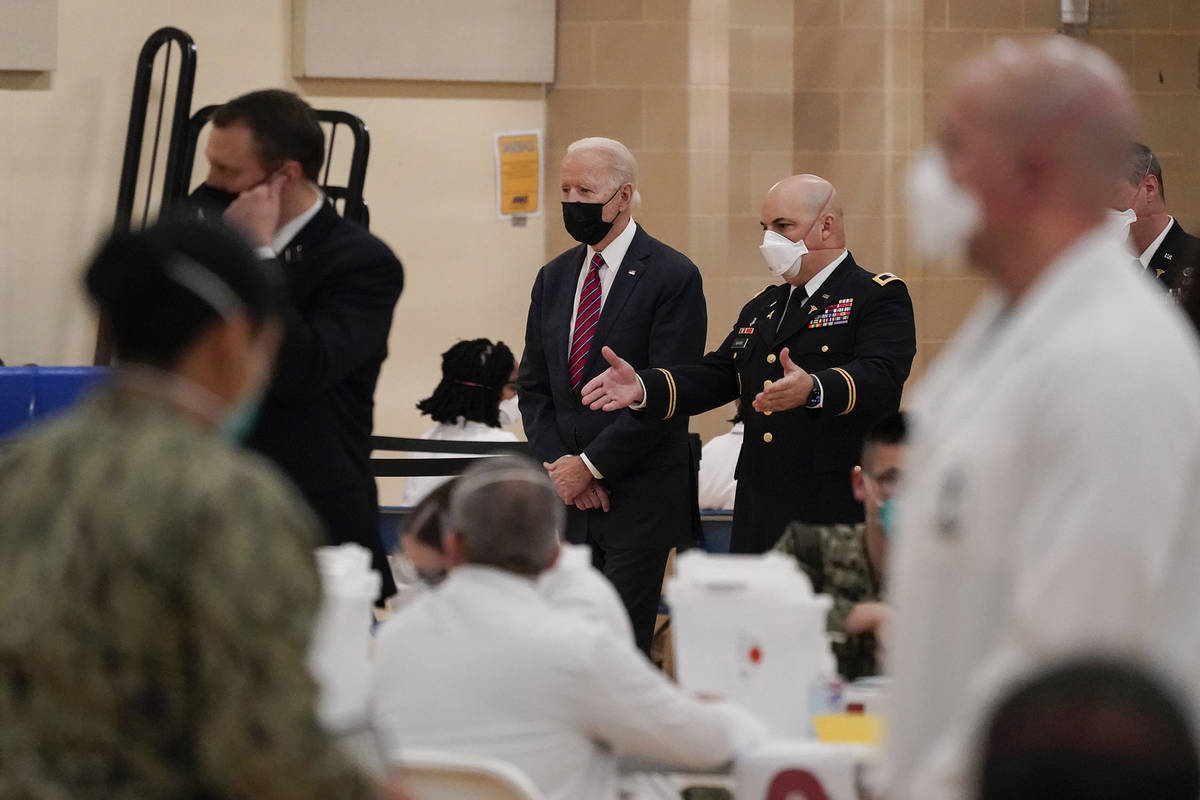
{"x": 476, "y": 395}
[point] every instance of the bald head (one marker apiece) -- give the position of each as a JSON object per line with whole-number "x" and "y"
{"x": 1058, "y": 103}
{"x": 806, "y": 208}
{"x": 1038, "y": 132}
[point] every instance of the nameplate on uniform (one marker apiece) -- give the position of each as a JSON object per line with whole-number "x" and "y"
{"x": 745, "y": 331}
{"x": 739, "y": 342}
{"x": 836, "y": 314}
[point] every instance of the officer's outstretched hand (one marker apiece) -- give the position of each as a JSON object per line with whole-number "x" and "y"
{"x": 790, "y": 391}
{"x": 615, "y": 388}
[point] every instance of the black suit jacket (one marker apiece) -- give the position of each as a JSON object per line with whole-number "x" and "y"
{"x": 318, "y": 414}
{"x": 857, "y": 337}
{"x": 1174, "y": 262}
{"x": 654, "y": 314}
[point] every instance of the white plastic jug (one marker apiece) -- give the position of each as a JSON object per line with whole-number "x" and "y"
{"x": 338, "y": 656}
{"x": 749, "y": 629}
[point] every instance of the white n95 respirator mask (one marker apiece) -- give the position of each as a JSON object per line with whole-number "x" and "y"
{"x": 942, "y": 216}
{"x": 781, "y": 254}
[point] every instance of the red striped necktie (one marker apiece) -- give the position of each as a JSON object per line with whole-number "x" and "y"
{"x": 587, "y": 315}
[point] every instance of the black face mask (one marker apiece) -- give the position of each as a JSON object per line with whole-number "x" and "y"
{"x": 585, "y": 221}
{"x": 210, "y": 202}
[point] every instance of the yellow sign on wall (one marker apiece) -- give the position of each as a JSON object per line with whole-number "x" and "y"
{"x": 519, "y": 173}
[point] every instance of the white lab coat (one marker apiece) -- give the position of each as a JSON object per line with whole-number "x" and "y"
{"x": 483, "y": 665}
{"x": 718, "y": 463}
{"x": 416, "y": 487}
{"x": 1050, "y": 504}
{"x": 575, "y": 586}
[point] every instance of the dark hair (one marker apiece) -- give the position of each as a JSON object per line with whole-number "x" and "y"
{"x": 424, "y": 521}
{"x": 473, "y": 376}
{"x": 1142, "y": 162}
{"x": 1089, "y": 729}
{"x": 284, "y": 128}
{"x": 890, "y": 429}
{"x": 160, "y": 288}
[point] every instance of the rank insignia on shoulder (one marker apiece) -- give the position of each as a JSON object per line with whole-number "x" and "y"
{"x": 1168, "y": 256}
{"x": 745, "y": 331}
{"x": 884, "y": 278}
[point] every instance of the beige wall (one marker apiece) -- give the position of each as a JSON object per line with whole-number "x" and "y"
{"x": 430, "y": 184}
{"x": 718, "y": 98}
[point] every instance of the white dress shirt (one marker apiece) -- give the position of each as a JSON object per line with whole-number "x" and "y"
{"x": 417, "y": 486}
{"x": 1049, "y": 506}
{"x": 613, "y": 255}
{"x": 1149, "y": 252}
{"x": 483, "y": 665}
{"x": 718, "y": 462}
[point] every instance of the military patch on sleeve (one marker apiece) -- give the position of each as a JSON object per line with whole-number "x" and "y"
{"x": 884, "y": 278}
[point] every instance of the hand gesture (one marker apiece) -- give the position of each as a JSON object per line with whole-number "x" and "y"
{"x": 790, "y": 391}
{"x": 615, "y": 388}
{"x": 256, "y": 211}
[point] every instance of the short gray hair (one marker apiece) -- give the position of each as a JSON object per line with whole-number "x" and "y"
{"x": 622, "y": 166}
{"x": 508, "y": 514}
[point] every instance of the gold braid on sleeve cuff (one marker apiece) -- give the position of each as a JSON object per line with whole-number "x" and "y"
{"x": 671, "y": 392}
{"x": 851, "y": 391}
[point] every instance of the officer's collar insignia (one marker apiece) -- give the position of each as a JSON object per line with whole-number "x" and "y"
{"x": 1168, "y": 256}
{"x": 1158, "y": 273}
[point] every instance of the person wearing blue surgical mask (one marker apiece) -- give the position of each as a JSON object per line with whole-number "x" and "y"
{"x": 143, "y": 548}
{"x": 849, "y": 561}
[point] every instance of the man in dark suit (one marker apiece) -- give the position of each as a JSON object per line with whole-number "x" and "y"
{"x": 265, "y": 151}
{"x": 1166, "y": 251}
{"x": 815, "y": 360}
{"x": 629, "y": 483}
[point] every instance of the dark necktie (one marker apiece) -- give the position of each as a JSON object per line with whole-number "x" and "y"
{"x": 587, "y": 315}
{"x": 794, "y": 305}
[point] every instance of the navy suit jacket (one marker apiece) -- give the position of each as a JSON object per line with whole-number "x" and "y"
{"x": 654, "y": 315}
{"x": 316, "y": 420}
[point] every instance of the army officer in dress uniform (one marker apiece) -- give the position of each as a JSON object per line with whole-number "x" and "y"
{"x": 815, "y": 360}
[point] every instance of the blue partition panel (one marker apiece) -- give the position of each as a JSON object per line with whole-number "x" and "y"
{"x": 33, "y": 393}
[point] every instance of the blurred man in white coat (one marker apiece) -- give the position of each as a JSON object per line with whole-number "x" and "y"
{"x": 1051, "y": 502}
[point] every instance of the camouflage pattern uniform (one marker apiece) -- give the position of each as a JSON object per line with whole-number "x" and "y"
{"x": 835, "y": 559}
{"x": 157, "y": 595}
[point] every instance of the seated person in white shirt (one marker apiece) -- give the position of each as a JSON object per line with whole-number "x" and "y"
{"x": 484, "y": 665}
{"x": 571, "y": 584}
{"x": 476, "y": 395}
{"x": 718, "y": 464}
